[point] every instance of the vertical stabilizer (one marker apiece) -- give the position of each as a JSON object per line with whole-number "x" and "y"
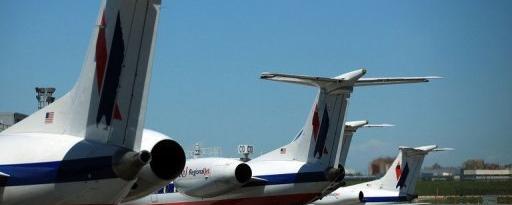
{"x": 350, "y": 129}
{"x": 318, "y": 142}
{"x": 404, "y": 172}
{"x": 108, "y": 102}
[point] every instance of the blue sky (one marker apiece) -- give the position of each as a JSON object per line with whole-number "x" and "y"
{"x": 209, "y": 55}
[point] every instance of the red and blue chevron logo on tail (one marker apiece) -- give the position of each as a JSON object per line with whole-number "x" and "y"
{"x": 108, "y": 73}
{"x": 398, "y": 171}
{"x": 401, "y": 175}
{"x": 320, "y": 132}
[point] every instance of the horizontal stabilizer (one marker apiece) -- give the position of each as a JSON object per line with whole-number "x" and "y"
{"x": 353, "y": 78}
{"x": 302, "y": 79}
{"x": 379, "y": 125}
{"x": 354, "y": 125}
{"x": 393, "y": 80}
{"x": 425, "y": 149}
{"x": 443, "y": 149}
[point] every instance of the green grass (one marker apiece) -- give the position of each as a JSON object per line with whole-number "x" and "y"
{"x": 504, "y": 200}
{"x": 463, "y": 188}
{"x": 465, "y": 200}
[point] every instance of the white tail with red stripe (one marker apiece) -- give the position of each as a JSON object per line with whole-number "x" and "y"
{"x": 319, "y": 142}
{"x": 396, "y": 186}
{"x": 108, "y": 102}
{"x": 403, "y": 173}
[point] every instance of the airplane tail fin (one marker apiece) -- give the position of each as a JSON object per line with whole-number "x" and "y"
{"x": 403, "y": 173}
{"x": 319, "y": 141}
{"x": 350, "y": 128}
{"x": 108, "y": 102}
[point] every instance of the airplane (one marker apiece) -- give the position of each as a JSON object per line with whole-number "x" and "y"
{"x": 296, "y": 173}
{"x": 85, "y": 148}
{"x": 396, "y": 186}
{"x": 351, "y": 128}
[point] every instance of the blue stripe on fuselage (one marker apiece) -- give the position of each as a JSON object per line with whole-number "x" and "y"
{"x": 275, "y": 179}
{"x": 293, "y": 178}
{"x": 385, "y": 199}
{"x": 58, "y": 171}
{"x": 302, "y": 177}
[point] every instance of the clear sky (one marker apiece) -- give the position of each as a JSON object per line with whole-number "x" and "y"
{"x": 209, "y": 55}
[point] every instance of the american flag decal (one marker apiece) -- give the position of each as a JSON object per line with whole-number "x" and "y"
{"x": 48, "y": 118}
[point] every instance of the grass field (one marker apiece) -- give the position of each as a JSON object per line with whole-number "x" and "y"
{"x": 462, "y": 200}
{"x": 459, "y": 192}
{"x": 463, "y": 188}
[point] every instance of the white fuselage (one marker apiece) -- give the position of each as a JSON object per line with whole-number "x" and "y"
{"x": 58, "y": 169}
{"x": 351, "y": 195}
{"x": 285, "y": 183}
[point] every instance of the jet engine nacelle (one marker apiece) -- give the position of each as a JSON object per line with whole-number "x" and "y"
{"x": 167, "y": 162}
{"x": 335, "y": 175}
{"x": 209, "y": 177}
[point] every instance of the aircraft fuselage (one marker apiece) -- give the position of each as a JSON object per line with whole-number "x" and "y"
{"x": 58, "y": 169}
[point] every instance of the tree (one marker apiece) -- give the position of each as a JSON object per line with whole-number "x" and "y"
{"x": 492, "y": 166}
{"x": 474, "y": 164}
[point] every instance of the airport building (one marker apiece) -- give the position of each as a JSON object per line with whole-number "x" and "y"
{"x": 379, "y": 166}
{"x": 44, "y": 98}
{"x": 454, "y": 173}
{"x": 440, "y": 173}
{"x": 8, "y": 119}
{"x": 487, "y": 174}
